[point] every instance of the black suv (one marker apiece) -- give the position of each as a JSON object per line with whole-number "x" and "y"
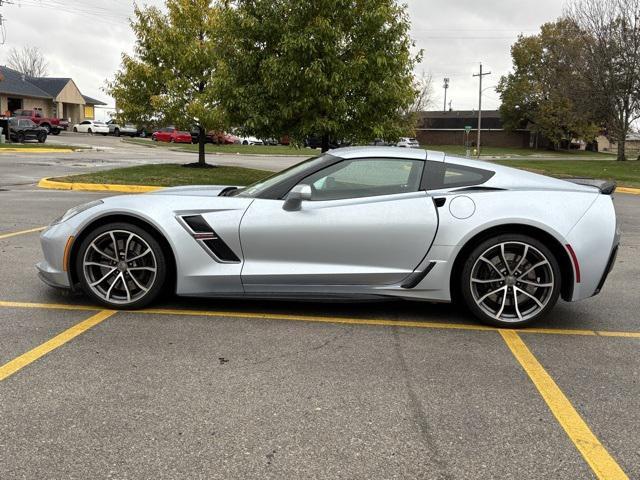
{"x": 21, "y": 129}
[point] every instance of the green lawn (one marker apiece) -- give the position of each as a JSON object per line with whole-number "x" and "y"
{"x": 625, "y": 173}
{"x": 521, "y": 152}
{"x": 27, "y": 146}
{"x": 170, "y": 175}
{"x": 231, "y": 149}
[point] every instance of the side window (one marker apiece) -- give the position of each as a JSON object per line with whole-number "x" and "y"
{"x": 439, "y": 175}
{"x": 365, "y": 178}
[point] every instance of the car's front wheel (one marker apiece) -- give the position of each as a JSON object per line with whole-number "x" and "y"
{"x": 510, "y": 280}
{"x": 121, "y": 265}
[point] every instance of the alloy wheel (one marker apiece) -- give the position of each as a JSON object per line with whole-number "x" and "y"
{"x": 120, "y": 267}
{"x": 512, "y": 281}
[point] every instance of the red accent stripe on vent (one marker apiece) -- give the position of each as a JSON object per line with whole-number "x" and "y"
{"x": 576, "y": 265}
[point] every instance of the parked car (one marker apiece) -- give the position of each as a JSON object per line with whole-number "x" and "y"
{"x": 230, "y": 139}
{"x": 316, "y": 142}
{"x": 379, "y": 142}
{"x": 91, "y": 126}
{"x": 250, "y": 140}
{"x": 64, "y": 124}
{"x": 21, "y": 129}
{"x": 408, "y": 142}
{"x": 359, "y": 223}
{"x": 127, "y": 129}
{"x": 172, "y": 135}
{"x": 36, "y": 115}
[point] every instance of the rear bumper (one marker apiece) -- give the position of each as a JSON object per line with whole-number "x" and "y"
{"x": 610, "y": 264}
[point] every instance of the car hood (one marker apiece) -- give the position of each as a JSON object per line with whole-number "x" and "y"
{"x": 194, "y": 190}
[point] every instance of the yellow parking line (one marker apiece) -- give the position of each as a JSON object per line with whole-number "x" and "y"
{"x": 13, "y": 234}
{"x": 316, "y": 319}
{"x": 31, "y": 356}
{"x": 49, "y": 306}
{"x": 596, "y": 455}
{"x": 327, "y": 319}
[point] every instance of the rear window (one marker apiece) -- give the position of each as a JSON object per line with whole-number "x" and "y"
{"x": 442, "y": 175}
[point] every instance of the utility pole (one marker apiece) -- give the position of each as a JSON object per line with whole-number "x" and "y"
{"x": 445, "y": 86}
{"x": 480, "y": 75}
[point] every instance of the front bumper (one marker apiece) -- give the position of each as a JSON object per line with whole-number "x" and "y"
{"x": 51, "y": 269}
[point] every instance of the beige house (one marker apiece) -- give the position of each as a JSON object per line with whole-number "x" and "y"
{"x": 57, "y": 97}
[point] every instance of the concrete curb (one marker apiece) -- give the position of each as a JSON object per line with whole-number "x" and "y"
{"x": 95, "y": 187}
{"x": 632, "y": 191}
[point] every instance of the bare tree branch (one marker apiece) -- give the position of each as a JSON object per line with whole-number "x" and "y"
{"x": 29, "y": 61}
{"x": 611, "y": 33}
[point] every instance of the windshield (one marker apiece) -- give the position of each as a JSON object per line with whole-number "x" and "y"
{"x": 257, "y": 188}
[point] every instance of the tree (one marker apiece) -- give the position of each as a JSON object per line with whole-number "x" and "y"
{"x": 423, "y": 86}
{"x": 611, "y": 48}
{"x": 29, "y": 61}
{"x": 546, "y": 89}
{"x": 339, "y": 69}
{"x": 173, "y": 75}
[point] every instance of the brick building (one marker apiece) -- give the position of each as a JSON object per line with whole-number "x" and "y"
{"x": 448, "y": 128}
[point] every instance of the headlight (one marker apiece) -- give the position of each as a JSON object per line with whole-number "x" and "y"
{"x": 72, "y": 212}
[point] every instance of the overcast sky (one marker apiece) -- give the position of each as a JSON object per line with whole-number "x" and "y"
{"x": 83, "y": 39}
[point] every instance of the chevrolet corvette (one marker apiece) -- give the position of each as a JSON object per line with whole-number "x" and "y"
{"x": 353, "y": 223}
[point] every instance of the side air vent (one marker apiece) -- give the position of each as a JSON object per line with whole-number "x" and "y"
{"x": 208, "y": 239}
{"x": 197, "y": 224}
{"x": 221, "y": 250}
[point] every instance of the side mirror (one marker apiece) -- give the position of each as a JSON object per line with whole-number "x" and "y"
{"x": 296, "y": 196}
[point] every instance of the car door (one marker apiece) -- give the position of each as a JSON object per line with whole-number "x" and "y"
{"x": 367, "y": 223}
{"x": 84, "y": 126}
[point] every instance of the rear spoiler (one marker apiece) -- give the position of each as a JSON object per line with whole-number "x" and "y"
{"x": 606, "y": 187}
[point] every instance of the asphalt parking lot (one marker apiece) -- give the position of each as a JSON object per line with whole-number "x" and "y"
{"x": 231, "y": 389}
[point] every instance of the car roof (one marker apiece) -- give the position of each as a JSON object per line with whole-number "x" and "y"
{"x": 391, "y": 152}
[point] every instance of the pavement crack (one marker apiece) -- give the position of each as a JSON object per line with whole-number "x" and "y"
{"x": 417, "y": 409}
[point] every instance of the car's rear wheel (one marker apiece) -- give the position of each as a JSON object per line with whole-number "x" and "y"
{"x": 42, "y": 137}
{"x": 47, "y": 127}
{"x": 75, "y": 130}
{"x": 89, "y": 130}
{"x": 20, "y": 137}
{"x": 510, "y": 280}
{"x": 121, "y": 265}
{"x": 116, "y": 132}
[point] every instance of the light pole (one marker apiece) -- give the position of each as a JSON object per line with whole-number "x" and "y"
{"x": 480, "y": 75}
{"x": 445, "y": 86}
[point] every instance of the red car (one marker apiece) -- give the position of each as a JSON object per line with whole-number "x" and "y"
{"x": 170, "y": 134}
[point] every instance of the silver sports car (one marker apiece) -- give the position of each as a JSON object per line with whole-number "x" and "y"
{"x": 354, "y": 223}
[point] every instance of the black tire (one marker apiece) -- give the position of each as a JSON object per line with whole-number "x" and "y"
{"x": 20, "y": 137}
{"x": 47, "y": 127}
{"x": 158, "y": 282}
{"x": 513, "y": 288}
{"x": 42, "y": 137}
{"x": 55, "y": 131}
{"x": 245, "y": 142}
{"x": 89, "y": 131}
{"x": 75, "y": 130}
{"x": 116, "y": 132}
